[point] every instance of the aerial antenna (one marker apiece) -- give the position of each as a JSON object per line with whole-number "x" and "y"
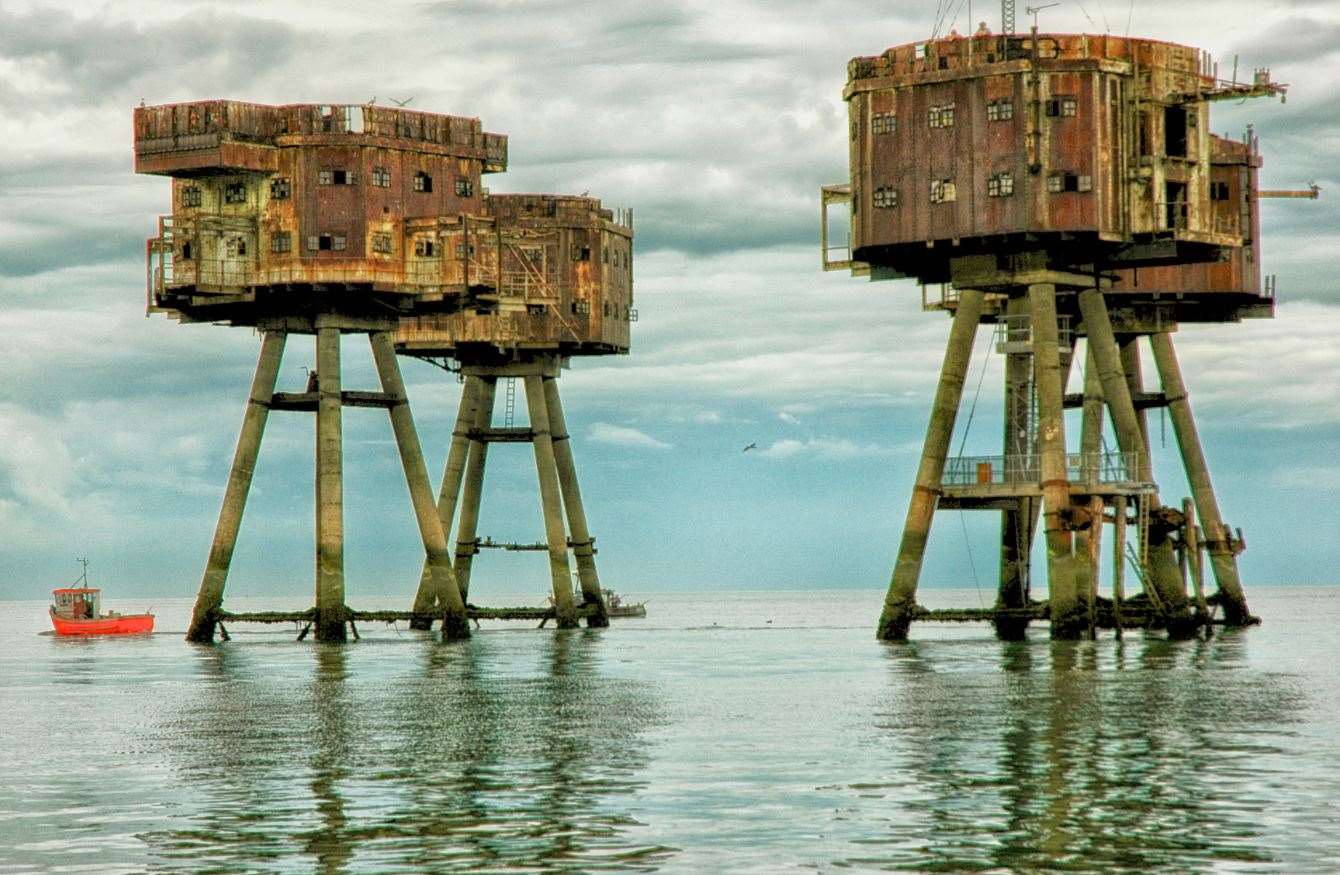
{"x": 400, "y": 102}
{"x": 1007, "y": 16}
{"x": 1034, "y": 10}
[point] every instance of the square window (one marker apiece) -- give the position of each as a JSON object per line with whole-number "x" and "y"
{"x": 235, "y": 246}
{"x": 464, "y": 188}
{"x": 1000, "y": 110}
{"x": 281, "y": 241}
{"x": 581, "y": 253}
{"x": 1069, "y": 106}
{"x": 942, "y": 116}
{"x": 325, "y": 177}
{"x": 425, "y": 247}
{"x": 1056, "y": 182}
{"x": 883, "y": 123}
{"x": 337, "y": 242}
{"x": 885, "y": 197}
{"x": 943, "y": 191}
{"x": 1000, "y": 185}
{"x": 1218, "y": 191}
{"x": 381, "y": 242}
{"x": 1084, "y": 183}
{"x": 192, "y": 196}
{"x": 235, "y": 193}
{"x": 280, "y": 188}
{"x": 423, "y": 182}
{"x": 381, "y": 177}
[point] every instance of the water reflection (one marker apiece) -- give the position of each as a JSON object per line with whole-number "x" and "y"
{"x": 412, "y": 756}
{"x": 1112, "y": 756}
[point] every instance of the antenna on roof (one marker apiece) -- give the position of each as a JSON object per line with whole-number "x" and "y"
{"x": 1007, "y": 16}
{"x": 400, "y": 102}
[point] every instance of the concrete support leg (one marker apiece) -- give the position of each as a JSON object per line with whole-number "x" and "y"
{"x": 1118, "y": 558}
{"x": 443, "y": 582}
{"x": 1018, "y": 523}
{"x": 425, "y": 598}
{"x": 583, "y": 545}
{"x": 1223, "y": 559}
{"x": 210, "y": 596}
{"x": 467, "y": 529}
{"x": 900, "y": 602}
{"x": 330, "y": 610}
{"x": 1068, "y": 615}
{"x": 1088, "y": 539}
{"x": 1163, "y": 571}
{"x": 565, "y": 612}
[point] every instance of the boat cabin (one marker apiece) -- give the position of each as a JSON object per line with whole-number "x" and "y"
{"x": 77, "y": 603}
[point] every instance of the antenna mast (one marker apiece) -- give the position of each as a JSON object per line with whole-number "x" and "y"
{"x": 1007, "y": 16}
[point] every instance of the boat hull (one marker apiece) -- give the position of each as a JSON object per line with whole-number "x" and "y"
{"x": 128, "y": 624}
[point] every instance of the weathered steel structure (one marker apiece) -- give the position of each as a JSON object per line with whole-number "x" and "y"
{"x": 1058, "y": 186}
{"x": 346, "y": 219}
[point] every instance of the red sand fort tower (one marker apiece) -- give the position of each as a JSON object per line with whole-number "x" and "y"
{"x": 1058, "y": 186}
{"x": 329, "y": 220}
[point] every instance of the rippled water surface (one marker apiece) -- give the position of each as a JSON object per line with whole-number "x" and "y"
{"x": 738, "y": 732}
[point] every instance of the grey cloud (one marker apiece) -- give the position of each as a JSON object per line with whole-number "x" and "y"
{"x": 1292, "y": 41}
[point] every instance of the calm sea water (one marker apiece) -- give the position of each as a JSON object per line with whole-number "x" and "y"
{"x": 727, "y": 732}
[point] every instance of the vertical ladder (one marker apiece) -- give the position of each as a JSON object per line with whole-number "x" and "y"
{"x": 509, "y": 410}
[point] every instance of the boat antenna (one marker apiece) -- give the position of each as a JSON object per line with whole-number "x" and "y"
{"x": 83, "y": 578}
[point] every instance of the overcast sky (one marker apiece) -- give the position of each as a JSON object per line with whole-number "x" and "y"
{"x": 716, "y": 122}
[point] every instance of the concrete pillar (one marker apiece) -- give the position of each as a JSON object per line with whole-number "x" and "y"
{"x": 210, "y": 596}
{"x": 1068, "y": 616}
{"x": 1090, "y": 445}
{"x": 900, "y": 602}
{"x": 565, "y": 613}
{"x": 467, "y": 529}
{"x": 1018, "y": 522}
{"x": 425, "y": 601}
{"x": 583, "y": 548}
{"x": 1191, "y": 549}
{"x": 1118, "y": 558}
{"x": 330, "y": 610}
{"x": 443, "y": 583}
{"x": 1222, "y": 557}
{"x": 1131, "y": 437}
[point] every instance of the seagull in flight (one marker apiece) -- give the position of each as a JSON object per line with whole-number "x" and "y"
{"x": 753, "y": 446}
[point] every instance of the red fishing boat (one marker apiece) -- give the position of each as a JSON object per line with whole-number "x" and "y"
{"x": 77, "y": 611}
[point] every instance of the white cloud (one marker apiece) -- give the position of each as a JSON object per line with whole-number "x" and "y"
{"x": 624, "y": 436}
{"x": 825, "y": 448}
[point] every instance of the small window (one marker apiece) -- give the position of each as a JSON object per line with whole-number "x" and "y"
{"x": 1000, "y": 185}
{"x": 381, "y": 177}
{"x": 186, "y": 254}
{"x": 464, "y": 187}
{"x": 1061, "y": 107}
{"x": 336, "y": 177}
{"x": 326, "y": 242}
{"x": 883, "y": 123}
{"x": 943, "y": 191}
{"x": 281, "y": 241}
{"x": 280, "y": 188}
{"x": 235, "y": 193}
{"x": 192, "y": 196}
{"x": 581, "y": 253}
{"x": 942, "y": 116}
{"x": 461, "y": 250}
{"x": 1218, "y": 191}
{"x": 606, "y": 254}
{"x": 423, "y": 182}
{"x": 235, "y": 246}
{"x": 381, "y": 242}
{"x": 1059, "y": 182}
{"x": 886, "y": 197}
{"x": 1000, "y": 110}
{"x": 535, "y": 309}
{"x": 425, "y": 247}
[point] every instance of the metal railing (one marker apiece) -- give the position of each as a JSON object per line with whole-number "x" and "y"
{"x": 1014, "y": 333}
{"x": 1102, "y": 467}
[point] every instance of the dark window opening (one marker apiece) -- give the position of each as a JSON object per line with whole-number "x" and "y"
{"x": 1059, "y": 182}
{"x": 235, "y": 193}
{"x": 1175, "y": 207}
{"x": 192, "y": 196}
{"x": 236, "y": 246}
{"x": 326, "y": 242}
{"x": 423, "y": 182}
{"x": 1174, "y": 131}
{"x": 425, "y": 247}
{"x": 1143, "y": 127}
{"x": 336, "y": 177}
{"x": 581, "y": 253}
{"x": 464, "y": 187}
{"x": 885, "y": 196}
{"x": 381, "y": 242}
{"x": 280, "y": 188}
{"x": 186, "y": 251}
{"x": 535, "y": 309}
{"x": 1218, "y": 191}
{"x": 1061, "y": 107}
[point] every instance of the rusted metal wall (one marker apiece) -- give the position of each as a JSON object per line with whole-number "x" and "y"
{"x": 1088, "y": 146}
{"x": 304, "y": 197}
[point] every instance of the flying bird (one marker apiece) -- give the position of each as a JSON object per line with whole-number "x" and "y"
{"x": 753, "y": 446}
